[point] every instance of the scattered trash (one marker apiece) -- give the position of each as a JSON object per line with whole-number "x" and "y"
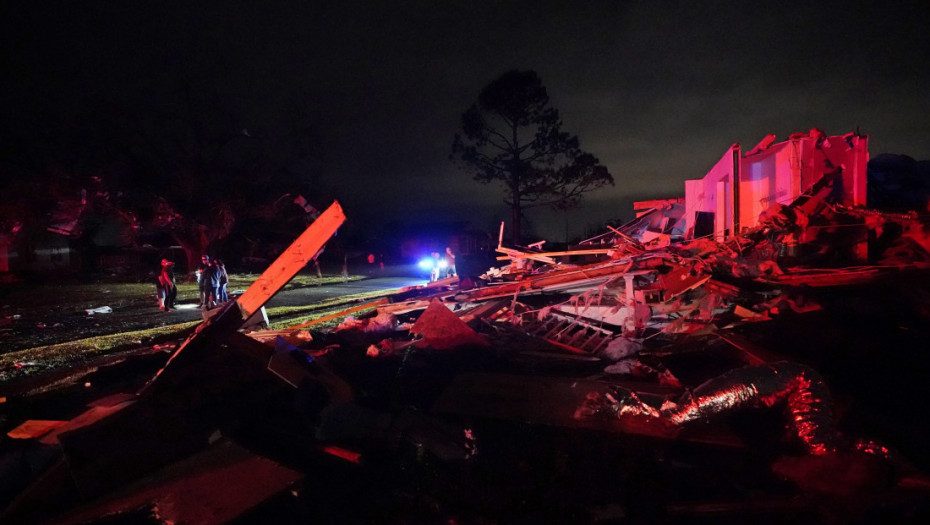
{"x": 99, "y": 310}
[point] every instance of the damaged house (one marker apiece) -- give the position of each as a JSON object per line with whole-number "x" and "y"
{"x": 811, "y": 190}
{"x": 751, "y": 352}
{"x": 740, "y": 190}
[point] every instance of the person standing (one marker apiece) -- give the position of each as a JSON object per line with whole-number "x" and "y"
{"x": 450, "y": 263}
{"x": 222, "y": 280}
{"x": 213, "y": 286}
{"x": 160, "y": 289}
{"x": 205, "y": 279}
{"x": 167, "y": 288}
{"x": 435, "y": 266}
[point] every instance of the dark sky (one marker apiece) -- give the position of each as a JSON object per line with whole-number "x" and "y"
{"x": 657, "y": 90}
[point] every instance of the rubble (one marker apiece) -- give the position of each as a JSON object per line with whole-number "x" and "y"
{"x": 557, "y": 385}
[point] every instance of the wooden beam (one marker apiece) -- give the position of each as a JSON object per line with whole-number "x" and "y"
{"x": 517, "y": 254}
{"x": 336, "y": 315}
{"x": 553, "y": 279}
{"x": 521, "y": 255}
{"x": 286, "y": 266}
{"x": 636, "y": 244}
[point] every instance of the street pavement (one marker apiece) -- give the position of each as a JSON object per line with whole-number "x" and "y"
{"x": 311, "y": 294}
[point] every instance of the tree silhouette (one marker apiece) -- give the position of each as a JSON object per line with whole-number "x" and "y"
{"x": 511, "y": 135}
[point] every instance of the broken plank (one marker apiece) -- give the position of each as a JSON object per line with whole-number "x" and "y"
{"x": 286, "y": 266}
{"x": 521, "y": 255}
{"x": 337, "y": 315}
{"x": 591, "y": 274}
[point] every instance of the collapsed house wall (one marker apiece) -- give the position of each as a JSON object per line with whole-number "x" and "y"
{"x": 771, "y": 174}
{"x": 658, "y": 221}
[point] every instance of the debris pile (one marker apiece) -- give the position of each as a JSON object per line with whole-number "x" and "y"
{"x": 643, "y": 375}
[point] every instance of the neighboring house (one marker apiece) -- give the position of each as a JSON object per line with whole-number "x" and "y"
{"x": 73, "y": 239}
{"x": 53, "y": 253}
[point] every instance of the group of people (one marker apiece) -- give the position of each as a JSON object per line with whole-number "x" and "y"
{"x": 443, "y": 266}
{"x": 212, "y": 280}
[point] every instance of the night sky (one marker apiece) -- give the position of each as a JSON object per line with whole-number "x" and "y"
{"x": 656, "y": 90}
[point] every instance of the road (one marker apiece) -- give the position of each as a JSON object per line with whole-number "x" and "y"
{"x": 302, "y": 296}
{"x": 309, "y": 295}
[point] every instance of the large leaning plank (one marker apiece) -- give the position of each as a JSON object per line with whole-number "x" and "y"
{"x": 286, "y": 266}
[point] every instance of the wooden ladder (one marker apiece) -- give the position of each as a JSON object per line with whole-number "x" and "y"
{"x": 571, "y": 333}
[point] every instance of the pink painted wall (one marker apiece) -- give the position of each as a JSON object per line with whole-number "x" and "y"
{"x": 778, "y": 173}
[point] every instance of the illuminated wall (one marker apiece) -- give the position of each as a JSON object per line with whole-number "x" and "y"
{"x": 713, "y": 194}
{"x": 766, "y": 178}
